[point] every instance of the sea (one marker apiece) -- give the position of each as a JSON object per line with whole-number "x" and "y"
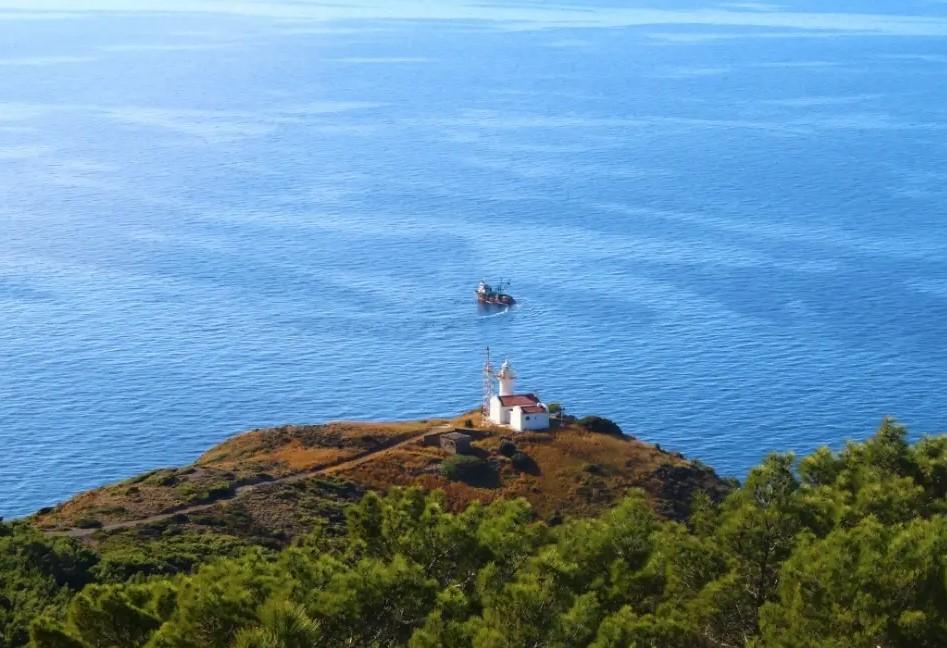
{"x": 724, "y": 222}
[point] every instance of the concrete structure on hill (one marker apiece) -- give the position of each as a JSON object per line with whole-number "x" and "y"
{"x": 520, "y": 412}
{"x": 456, "y": 442}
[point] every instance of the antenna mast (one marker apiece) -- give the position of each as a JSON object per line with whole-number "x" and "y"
{"x": 488, "y": 380}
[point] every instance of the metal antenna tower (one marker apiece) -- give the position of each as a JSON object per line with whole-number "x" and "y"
{"x": 489, "y": 376}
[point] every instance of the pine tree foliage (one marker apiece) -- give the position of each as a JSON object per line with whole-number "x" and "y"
{"x": 837, "y": 549}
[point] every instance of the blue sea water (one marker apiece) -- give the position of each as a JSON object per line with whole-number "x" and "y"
{"x": 724, "y": 221}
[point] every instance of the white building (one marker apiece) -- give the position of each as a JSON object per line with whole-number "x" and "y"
{"x": 518, "y": 411}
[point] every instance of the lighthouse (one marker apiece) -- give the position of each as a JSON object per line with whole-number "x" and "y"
{"x": 506, "y": 376}
{"x": 521, "y": 412}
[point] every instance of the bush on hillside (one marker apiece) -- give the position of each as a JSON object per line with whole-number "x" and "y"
{"x": 600, "y": 425}
{"x": 507, "y": 448}
{"x": 465, "y": 468}
{"x": 522, "y": 461}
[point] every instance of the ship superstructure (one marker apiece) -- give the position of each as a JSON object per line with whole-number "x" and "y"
{"x": 496, "y": 296}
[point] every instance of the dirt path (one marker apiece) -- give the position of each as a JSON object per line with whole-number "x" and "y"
{"x": 329, "y": 469}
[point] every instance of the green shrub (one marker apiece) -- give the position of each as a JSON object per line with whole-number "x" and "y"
{"x": 507, "y": 448}
{"x": 142, "y": 477}
{"x": 217, "y": 491}
{"x": 167, "y": 480}
{"x": 88, "y": 523}
{"x": 554, "y": 408}
{"x": 465, "y": 468}
{"x": 522, "y": 461}
{"x": 600, "y": 425}
{"x": 593, "y": 469}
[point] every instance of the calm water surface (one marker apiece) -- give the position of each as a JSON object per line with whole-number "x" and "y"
{"x": 725, "y": 222}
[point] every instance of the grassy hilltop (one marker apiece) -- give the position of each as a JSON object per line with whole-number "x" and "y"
{"x": 267, "y": 486}
{"x": 364, "y": 535}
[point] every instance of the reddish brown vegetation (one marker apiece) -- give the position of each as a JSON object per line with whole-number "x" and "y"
{"x": 569, "y": 471}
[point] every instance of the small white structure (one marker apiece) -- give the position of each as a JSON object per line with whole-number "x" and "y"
{"x": 520, "y": 412}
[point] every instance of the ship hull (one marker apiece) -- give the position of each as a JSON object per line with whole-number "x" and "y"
{"x": 496, "y": 300}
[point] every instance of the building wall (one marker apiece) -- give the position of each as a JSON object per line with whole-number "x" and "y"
{"x": 455, "y": 446}
{"x": 537, "y": 421}
{"x": 499, "y": 414}
{"x": 520, "y": 421}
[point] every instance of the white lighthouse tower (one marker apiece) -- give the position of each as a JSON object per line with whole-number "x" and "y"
{"x": 507, "y": 377}
{"x": 520, "y": 412}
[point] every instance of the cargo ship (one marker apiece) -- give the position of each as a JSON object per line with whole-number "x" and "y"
{"x": 487, "y": 294}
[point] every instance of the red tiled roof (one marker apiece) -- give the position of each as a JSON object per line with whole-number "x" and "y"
{"x": 522, "y": 400}
{"x": 534, "y": 409}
